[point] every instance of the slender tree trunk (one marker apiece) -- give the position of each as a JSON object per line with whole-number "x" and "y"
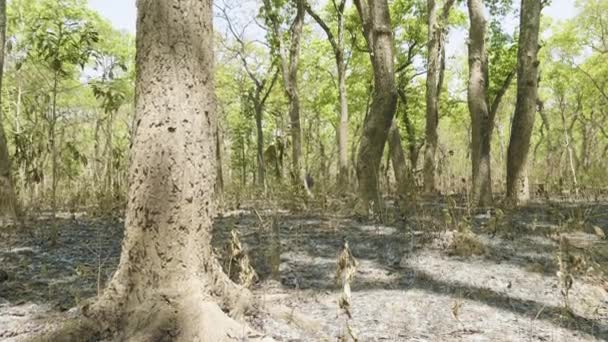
{"x": 8, "y": 202}
{"x": 338, "y": 49}
{"x": 343, "y": 127}
{"x": 525, "y": 108}
{"x": 432, "y": 111}
{"x": 168, "y": 280}
{"x": 412, "y": 146}
{"x": 568, "y": 145}
{"x": 219, "y": 157}
{"x": 481, "y": 123}
{"x": 397, "y": 156}
{"x": 109, "y": 155}
{"x": 434, "y": 81}
{"x": 260, "y": 148}
{"x": 375, "y": 17}
{"x": 289, "y": 66}
{"x": 53, "y": 145}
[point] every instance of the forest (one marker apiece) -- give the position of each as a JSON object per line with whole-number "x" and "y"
{"x": 304, "y": 170}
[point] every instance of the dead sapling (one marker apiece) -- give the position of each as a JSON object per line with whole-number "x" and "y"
{"x": 239, "y": 266}
{"x": 345, "y": 273}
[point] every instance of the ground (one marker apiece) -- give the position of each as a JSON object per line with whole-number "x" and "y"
{"x": 416, "y": 279}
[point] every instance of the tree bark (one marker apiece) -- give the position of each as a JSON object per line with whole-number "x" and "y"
{"x": 434, "y": 79}
{"x": 481, "y": 123}
{"x": 168, "y": 280}
{"x": 375, "y": 18}
{"x": 8, "y": 202}
{"x": 525, "y": 108}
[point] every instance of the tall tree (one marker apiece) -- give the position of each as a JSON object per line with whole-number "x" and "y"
{"x": 337, "y": 44}
{"x": 263, "y": 84}
{"x": 289, "y": 66}
{"x": 525, "y": 108}
{"x": 482, "y": 112}
{"x": 437, "y": 29}
{"x": 61, "y": 42}
{"x": 376, "y": 22}
{"x": 7, "y": 194}
{"x": 168, "y": 280}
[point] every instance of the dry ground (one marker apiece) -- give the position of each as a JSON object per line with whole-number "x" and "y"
{"x": 413, "y": 282}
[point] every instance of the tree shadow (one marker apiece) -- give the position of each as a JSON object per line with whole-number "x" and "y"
{"x": 308, "y": 255}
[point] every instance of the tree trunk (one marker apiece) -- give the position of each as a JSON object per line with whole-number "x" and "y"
{"x": 375, "y": 17}
{"x": 7, "y": 195}
{"x": 432, "y": 106}
{"x": 434, "y": 80}
{"x": 398, "y": 160}
{"x": 167, "y": 280}
{"x": 289, "y": 66}
{"x": 525, "y": 108}
{"x": 481, "y": 123}
{"x": 338, "y": 49}
{"x": 109, "y": 155}
{"x": 53, "y": 145}
{"x": 260, "y": 148}
{"x": 343, "y": 127}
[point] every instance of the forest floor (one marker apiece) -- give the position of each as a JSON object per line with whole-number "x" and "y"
{"x": 428, "y": 275}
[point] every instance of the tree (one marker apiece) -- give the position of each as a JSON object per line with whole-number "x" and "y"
{"x": 437, "y": 29}
{"x": 337, "y": 44}
{"x": 62, "y": 40}
{"x": 7, "y": 194}
{"x": 482, "y": 111}
{"x": 525, "y": 108}
{"x": 289, "y": 66}
{"x": 263, "y": 83}
{"x": 167, "y": 277}
{"x": 376, "y": 22}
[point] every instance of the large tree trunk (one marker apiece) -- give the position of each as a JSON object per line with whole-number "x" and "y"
{"x": 7, "y": 194}
{"x": 434, "y": 81}
{"x": 168, "y": 280}
{"x": 481, "y": 123}
{"x": 525, "y": 108}
{"x": 375, "y": 17}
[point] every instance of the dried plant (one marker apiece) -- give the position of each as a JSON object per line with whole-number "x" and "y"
{"x": 345, "y": 273}
{"x": 239, "y": 266}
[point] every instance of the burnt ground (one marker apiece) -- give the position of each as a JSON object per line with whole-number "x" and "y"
{"x": 414, "y": 281}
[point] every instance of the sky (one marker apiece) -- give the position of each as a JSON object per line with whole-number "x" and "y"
{"x": 122, "y": 13}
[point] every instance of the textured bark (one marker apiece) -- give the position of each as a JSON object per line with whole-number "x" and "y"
{"x": 482, "y": 112}
{"x": 481, "y": 123}
{"x": 375, "y": 18}
{"x": 7, "y": 194}
{"x": 525, "y": 108}
{"x": 434, "y": 81}
{"x": 168, "y": 280}
{"x": 338, "y": 49}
